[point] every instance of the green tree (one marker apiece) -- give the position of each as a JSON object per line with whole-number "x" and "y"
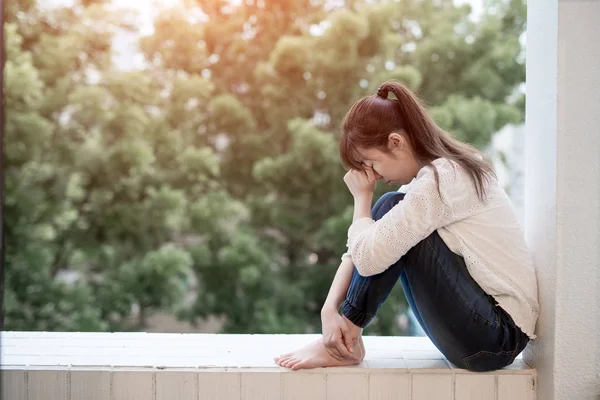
{"x": 286, "y": 74}
{"x": 99, "y": 186}
{"x": 214, "y": 170}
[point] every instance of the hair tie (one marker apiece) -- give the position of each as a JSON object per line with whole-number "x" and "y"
{"x": 383, "y": 93}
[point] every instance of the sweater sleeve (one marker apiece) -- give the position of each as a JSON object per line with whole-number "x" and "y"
{"x": 376, "y": 245}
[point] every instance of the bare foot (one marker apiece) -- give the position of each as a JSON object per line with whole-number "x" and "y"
{"x": 316, "y": 355}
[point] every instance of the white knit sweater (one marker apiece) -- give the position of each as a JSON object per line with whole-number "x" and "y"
{"x": 486, "y": 234}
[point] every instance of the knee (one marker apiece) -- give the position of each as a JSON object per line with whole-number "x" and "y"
{"x": 385, "y": 203}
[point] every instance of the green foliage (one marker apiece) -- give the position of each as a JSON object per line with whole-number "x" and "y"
{"x": 209, "y": 183}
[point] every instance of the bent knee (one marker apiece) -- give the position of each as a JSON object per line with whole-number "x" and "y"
{"x": 385, "y": 203}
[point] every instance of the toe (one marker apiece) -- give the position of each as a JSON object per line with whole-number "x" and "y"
{"x": 282, "y": 361}
{"x": 290, "y": 362}
{"x": 298, "y": 365}
{"x": 294, "y": 363}
{"x": 279, "y": 359}
{"x": 285, "y": 363}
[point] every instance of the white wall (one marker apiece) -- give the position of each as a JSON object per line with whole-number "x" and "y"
{"x": 139, "y": 365}
{"x": 507, "y": 153}
{"x": 562, "y": 218}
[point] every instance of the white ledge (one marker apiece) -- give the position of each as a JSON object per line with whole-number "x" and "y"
{"x": 231, "y": 366}
{"x": 169, "y": 350}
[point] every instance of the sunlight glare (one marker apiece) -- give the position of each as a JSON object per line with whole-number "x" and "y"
{"x": 148, "y": 3}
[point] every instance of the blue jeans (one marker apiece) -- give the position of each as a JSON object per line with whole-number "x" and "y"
{"x": 463, "y": 321}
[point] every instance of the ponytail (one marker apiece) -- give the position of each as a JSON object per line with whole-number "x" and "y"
{"x": 373, "y": 118}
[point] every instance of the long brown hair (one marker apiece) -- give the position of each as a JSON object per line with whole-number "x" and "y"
{"x": 371, "y": 119}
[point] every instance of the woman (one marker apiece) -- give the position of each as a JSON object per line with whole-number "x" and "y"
{"x": 453, "y": 240}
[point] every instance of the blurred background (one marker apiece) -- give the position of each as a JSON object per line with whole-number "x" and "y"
{"x": 173, "y": 166}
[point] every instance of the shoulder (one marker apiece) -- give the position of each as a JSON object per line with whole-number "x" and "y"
{"x": 452, "y": 180}
{"x": 447, "y": 171}
{"x": 437, "y": 181}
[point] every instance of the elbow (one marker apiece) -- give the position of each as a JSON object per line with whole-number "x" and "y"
{"x": 363, "y": 266}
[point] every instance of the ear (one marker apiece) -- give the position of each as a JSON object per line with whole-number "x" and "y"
{"x": 396, "y": 141}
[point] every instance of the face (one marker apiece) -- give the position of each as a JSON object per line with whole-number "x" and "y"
{"x": 396, "y": 168}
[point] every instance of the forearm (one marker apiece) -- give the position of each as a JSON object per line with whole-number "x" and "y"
{"x": 362, "y": 206}
{"x": 343, "y": 276}
{"x": 339, "y": 286}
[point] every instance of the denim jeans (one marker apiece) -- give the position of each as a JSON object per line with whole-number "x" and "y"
{"x": 463, "y": 322}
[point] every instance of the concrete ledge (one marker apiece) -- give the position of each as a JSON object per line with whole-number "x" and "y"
{"x": 107, "y": 366}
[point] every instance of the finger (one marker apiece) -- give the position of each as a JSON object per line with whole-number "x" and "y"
{"x": 332, "y": 347}
{"x": 349, "y": 355}
{"x": 347, "y": 176}
{"x": 343, "y": 350}
{"x": 345, "y": 336}
{"x": 371, "y": 175}
{"x": 335, "y": 353}
{"x": 350, "y": 343}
